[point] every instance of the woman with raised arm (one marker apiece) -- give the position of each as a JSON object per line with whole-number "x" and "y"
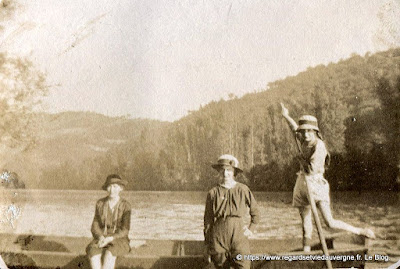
{"x": 110, "y": 227}
{"x": 314, "y": 156}
{"x": 226, "y": 206}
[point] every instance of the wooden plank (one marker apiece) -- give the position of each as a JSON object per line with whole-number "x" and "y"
{"x": 69, "y": 252}
{"x": 78, "y": 245}
{"x": 44, "y": 259}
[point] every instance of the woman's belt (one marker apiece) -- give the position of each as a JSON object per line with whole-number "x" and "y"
{"x": 227, "y": 217}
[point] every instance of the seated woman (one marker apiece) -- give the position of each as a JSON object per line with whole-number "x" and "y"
{"x": 110, "y": 227}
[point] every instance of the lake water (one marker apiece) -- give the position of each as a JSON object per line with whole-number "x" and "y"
{"x": 179, "y": 215}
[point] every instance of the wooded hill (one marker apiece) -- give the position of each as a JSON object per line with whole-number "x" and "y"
{"x": 357, "y": 103}
{"x": 68, "y": 145}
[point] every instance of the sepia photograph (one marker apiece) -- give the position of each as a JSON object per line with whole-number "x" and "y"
{"x": 199, "y": 134}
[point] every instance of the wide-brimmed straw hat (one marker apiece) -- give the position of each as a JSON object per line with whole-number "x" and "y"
{"x": 227, "y": 160}
{"x": 114, "y": 179}
{"x": 308, "y": 122}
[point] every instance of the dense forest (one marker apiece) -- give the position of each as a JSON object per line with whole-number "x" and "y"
{"x": 357, "y": 103}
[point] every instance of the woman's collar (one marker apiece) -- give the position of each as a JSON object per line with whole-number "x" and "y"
{"x": 228, "y": 185}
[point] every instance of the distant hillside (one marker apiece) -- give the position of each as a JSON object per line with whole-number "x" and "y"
{"x": 355, "y": 100}
{"x": 74, "y": 138}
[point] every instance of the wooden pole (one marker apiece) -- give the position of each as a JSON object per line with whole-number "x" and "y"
{"x": 318, "y": 224}
{"x": 316, "y": 216}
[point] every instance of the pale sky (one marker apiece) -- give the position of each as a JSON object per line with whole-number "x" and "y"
{"x": 160, "y": 59}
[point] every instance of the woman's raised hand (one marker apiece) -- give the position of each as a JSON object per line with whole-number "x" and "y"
{"x": 285, "y": 111}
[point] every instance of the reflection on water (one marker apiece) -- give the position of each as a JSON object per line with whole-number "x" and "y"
{"x": 179, "y": 215}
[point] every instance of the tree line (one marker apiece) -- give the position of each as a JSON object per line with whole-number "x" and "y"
{"x": 355, "y": 100}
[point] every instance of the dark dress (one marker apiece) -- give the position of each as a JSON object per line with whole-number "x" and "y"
{"x": 111, "y": 223}
{"x": 224, "y": 227}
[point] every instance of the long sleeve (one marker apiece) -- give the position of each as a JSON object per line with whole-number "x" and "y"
{"x": 254, "y": 210}
{"x": 96, "y": 229}
{"x": 125, "y": 223}
{"x": 208, "y": 219}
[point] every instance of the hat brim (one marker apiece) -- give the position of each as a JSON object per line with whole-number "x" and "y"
{"x": 122, "y": 183}
{"x": 307, "y": 127}
{"x": 218, "y": 166}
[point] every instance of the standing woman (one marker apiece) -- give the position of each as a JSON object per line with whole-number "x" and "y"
{"x": 227, "y": 204}
{"x": 312, "y": 167}
{"x": 110, "y": 227}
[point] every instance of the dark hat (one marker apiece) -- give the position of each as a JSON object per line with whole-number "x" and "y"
{"x": 114, "y": 179}
{"x": 308, "y": 122}
{"x": 227, "y": 160}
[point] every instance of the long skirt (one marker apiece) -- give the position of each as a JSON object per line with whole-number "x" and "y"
{"x": 118, "y": 247}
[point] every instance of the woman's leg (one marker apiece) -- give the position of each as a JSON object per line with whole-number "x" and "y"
{"x": 325, "y": 209}
{"x": 109, "y": 260}
{"x": 95, "y": 261}
{"x": 306, "y": 219}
